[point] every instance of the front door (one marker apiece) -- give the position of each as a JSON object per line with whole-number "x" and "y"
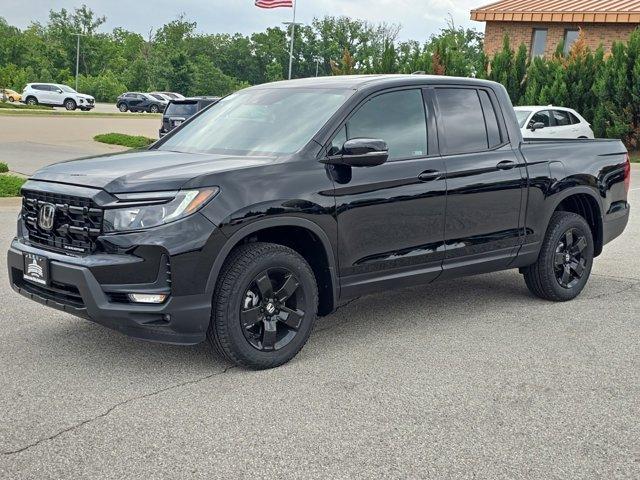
{"x": 485, "y": 182}
{"x": 390, "y": 217}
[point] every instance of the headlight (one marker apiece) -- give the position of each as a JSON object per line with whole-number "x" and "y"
{"x": 139, "y": 216}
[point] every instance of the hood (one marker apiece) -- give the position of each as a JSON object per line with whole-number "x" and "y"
{"x": 84, "y": 96}
{"x": 146, "y": 170}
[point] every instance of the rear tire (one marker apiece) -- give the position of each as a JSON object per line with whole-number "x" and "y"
{"x": 11, "y": 99}
{"x": 265, "y": 305}
{"x": 566, "y": 257}
{"x": 32, "y": 101}
{"x": 154, "y": 109}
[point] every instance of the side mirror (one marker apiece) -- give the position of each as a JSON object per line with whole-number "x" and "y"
{"x": 59, "y": 91}
{"x": 537, "y": 126}
{"x": 361, "y": 152}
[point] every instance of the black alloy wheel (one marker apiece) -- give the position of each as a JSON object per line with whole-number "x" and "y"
{"x": 270, "y": 313}
{"x": 264, "y": 306}
{"x": 569, "y": 263}
{"x": 565, "y": 259}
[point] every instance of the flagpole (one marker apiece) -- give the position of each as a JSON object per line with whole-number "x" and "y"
{"x": 293, "y": 32}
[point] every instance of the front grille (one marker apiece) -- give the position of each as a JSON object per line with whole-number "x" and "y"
{"x": 77, "y": 222}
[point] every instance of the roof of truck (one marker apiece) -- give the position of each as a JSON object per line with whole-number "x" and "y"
{"x": 356, "y": 82}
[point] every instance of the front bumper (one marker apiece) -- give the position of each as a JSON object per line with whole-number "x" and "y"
{"x": 74, "y": 289}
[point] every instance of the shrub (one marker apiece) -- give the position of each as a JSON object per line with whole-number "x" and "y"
{"x": 10, "y": 185}
{"x": 4, "y": 168}
{"x": 130, "y": 141}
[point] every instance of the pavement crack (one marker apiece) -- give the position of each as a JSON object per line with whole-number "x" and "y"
{"x": 114, "y": 407}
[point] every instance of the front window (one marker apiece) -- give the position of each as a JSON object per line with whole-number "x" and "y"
{"x": 570, "y": 37}
{"x": 522, "y": 116}
{"x": 64, "y": 88}
{"x": 259, "y": 122}
{"x": 539, "y": 43}
{"x": 157, "y": 97}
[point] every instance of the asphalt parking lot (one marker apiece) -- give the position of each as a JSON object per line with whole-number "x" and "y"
{"x": 28, "y": 142}
{"x": 472, "y": 378}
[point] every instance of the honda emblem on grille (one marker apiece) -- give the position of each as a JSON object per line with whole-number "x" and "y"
{"x": 46, "y": 214}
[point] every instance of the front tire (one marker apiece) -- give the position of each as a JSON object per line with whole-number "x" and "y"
{"x": 566, "y": 257}
{"x": 265, "y": 305}
{"x": 11, "y": 99}
{"x": 70, "y": 104}
{"x": 123, "y": 107}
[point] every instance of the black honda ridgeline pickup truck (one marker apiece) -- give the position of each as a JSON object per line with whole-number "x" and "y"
{"x": 283, "y": 200}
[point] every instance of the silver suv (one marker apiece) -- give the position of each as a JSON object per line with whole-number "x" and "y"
{"x": 56, "y": 95}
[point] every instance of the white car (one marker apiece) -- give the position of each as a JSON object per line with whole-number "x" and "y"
{"x": 56, "y": 95}
{"x": 552, "y": 122}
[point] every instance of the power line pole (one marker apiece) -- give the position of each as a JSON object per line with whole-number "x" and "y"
{"x": 78, "y": 35}
{"x": 293, "y": 33}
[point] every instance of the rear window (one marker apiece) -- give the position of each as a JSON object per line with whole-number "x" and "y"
{"x": 181, "y": 109}
{"x": 463, "y": 123}
{"x": 522, "y": 116}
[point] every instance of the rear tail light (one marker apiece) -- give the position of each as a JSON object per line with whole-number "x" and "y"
{"x": 627, "y": 174}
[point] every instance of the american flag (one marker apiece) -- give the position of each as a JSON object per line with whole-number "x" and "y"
{"x": 274, "y": 3}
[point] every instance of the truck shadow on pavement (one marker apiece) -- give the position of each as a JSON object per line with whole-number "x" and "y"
{"x": 479, "y": 299}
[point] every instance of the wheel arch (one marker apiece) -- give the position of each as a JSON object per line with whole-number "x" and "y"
{"x": 282, "y": 231}
{"x": 582, "y": 201}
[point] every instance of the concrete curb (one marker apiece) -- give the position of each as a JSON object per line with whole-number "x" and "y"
{"x": 10, "y": 202}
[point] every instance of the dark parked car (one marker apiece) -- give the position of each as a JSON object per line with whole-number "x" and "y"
{"x": 140, "y": 102}
{"x": 179, "y": 111}
{"x": 283, "y": 200}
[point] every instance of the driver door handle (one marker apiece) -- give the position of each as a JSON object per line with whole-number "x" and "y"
{"x": 429, "y": 175}
{"x": 506, "y": 165}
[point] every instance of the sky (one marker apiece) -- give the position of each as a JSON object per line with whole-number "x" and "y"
{"x": 419, "y": 18}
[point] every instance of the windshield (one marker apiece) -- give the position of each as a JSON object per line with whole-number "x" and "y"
{"x": 522, "y": 116}
{"x": 259, "y": 122}
{"x": 181, "y": 109}
{"x": 64, "y": 88}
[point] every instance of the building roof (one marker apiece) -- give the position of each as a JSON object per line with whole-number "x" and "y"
{"x": 566, "y": 11}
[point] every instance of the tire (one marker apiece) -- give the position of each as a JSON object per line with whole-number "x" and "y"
{"x": 566, "y": 257}
{"x": 154, "y": 109}
{"x": 241, "y": 330}
{"x": 11, "y": 99}
{"x": 32, "y": 101}
{"x": 123, "y": 107}
{"x": 70, "y": 104}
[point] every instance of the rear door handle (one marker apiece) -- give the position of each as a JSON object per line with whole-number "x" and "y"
{"x": 506, "y": 165}
{"x": 429, "y": 175}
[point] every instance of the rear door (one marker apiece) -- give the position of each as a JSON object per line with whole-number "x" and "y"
{"x": 485, "y": 181}
{"x": 390, "y": 217}
{"x": 564, "y": 127}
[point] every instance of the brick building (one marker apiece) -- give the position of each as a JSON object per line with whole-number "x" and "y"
{"x": 543, "y": 24}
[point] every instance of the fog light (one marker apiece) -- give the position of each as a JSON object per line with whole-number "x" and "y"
{"x": 147, "y": 297}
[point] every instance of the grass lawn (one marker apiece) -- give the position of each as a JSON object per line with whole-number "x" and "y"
{"x": 635, "y": 156}
{"x": 22, "y": 107}
{"x": 130, "y": 141}
{"x": 39, "y": 111}
{"x": 10, "y": 185}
